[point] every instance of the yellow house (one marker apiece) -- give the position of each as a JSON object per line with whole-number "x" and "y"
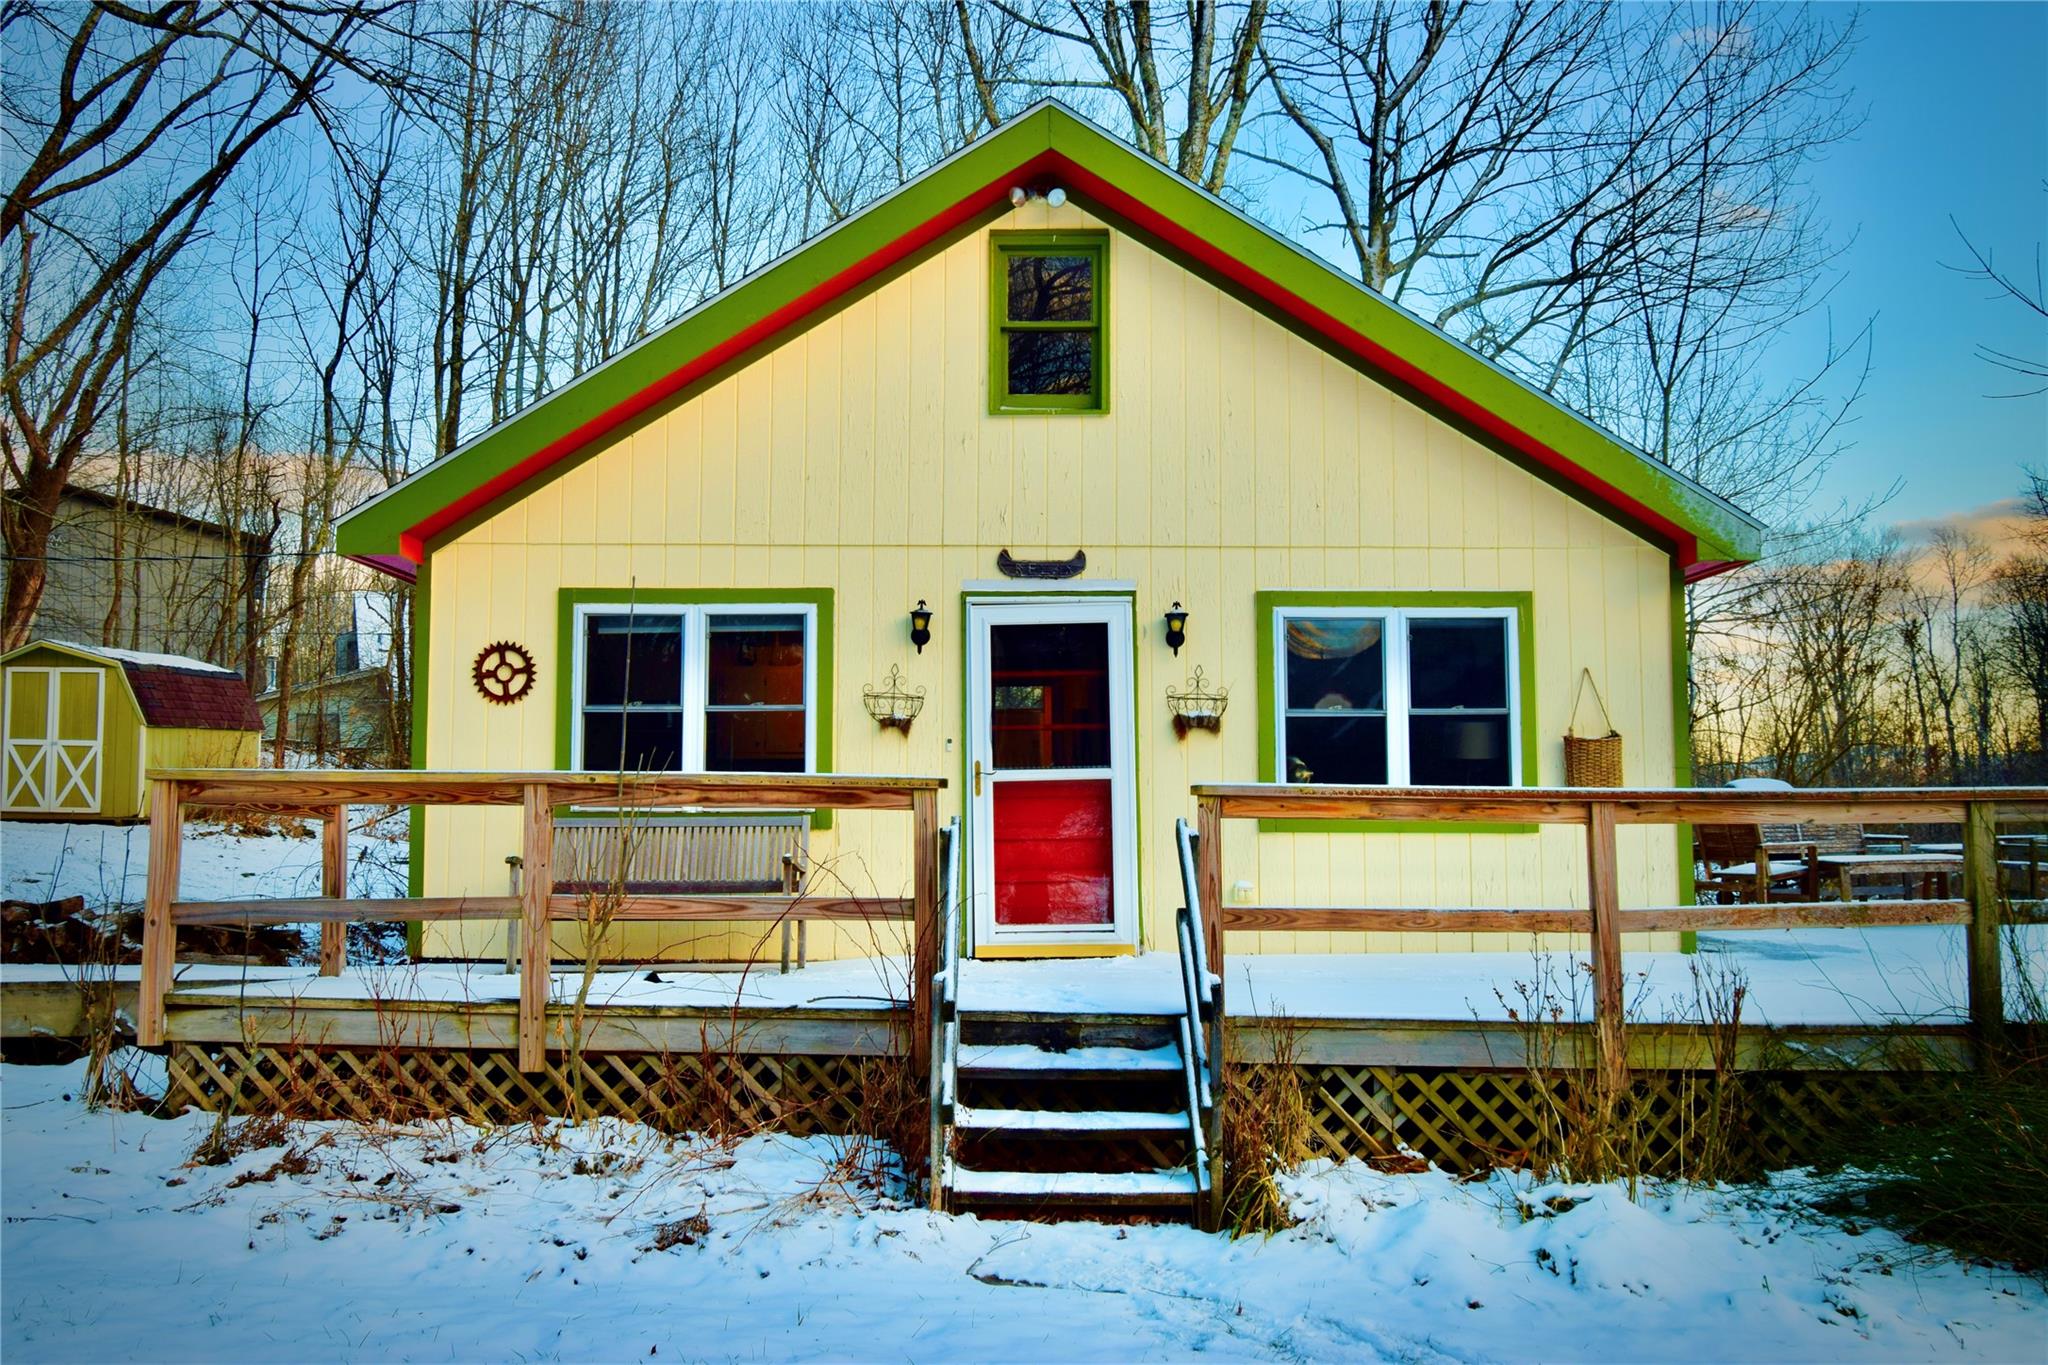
{"x": 81, "y": 725}
{"x": 1047, "y": 447}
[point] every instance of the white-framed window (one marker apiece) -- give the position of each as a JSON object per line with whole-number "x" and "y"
{"x": 694, "y": 688}
{"x": 1397, "y": 696}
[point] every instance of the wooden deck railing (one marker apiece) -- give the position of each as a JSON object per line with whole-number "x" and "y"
{"x": 327, "y": 796}
{"x": 1982, "y": 907}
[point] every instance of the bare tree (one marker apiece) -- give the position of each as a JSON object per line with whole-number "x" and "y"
{"x": 1185, "y": 77}
{"x": 127, "y": 125}
{"x": 2032, "y": 297}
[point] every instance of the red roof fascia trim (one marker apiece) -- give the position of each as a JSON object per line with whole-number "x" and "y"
{"x": 1371, "y": 352}
{"x": 1701, "y": 570}
{"x": 412, "y": 544}
{"x": 396, "y": 565}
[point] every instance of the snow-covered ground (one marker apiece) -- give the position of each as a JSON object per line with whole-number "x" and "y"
{"x": 443, "y": 1242}
{"x": 109, "y": 864}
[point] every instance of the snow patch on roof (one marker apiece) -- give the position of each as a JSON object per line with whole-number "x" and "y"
{"x": 143, "y": 659}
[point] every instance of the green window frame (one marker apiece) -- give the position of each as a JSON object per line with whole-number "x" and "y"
{"x": 1272, "y": 605}
{"x": 1007, "y": 246}
{"x": 819, "y": 601}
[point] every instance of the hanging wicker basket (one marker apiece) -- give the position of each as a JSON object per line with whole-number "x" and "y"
{"x": 1591, "y": 760}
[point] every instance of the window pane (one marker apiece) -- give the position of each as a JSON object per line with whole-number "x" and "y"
{"x": 1455, "y": 664}
{"x": 1347, "y": 750}
{"x": 1336, "y": 663}
{"x": 1049, "y": 702}
{"x": 754, "y": 742}
{"x": 633, "y": 741}
{"x": 1052, "y": 288}
{"x": 1459, "y": 751}
{"x": 756, "y": 660}
{"x": 1052, "y": 362}
{"x": 632, "y": 659}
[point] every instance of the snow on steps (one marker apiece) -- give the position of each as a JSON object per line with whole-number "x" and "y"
{"x": 1053, "y": 1122}
{"x": 1078, "y": 1187}
{"x": 1023, "y": 1060}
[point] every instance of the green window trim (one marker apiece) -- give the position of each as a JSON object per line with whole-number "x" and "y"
{"x": 1002, "y": 246}
{"x": 1268, "y": 604}
{"x": 820, "y": 600}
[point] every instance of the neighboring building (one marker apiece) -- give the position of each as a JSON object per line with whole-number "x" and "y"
{"x": 341, "y": 720}
{"x": 149, "y": 579}
{"x": 1397, "y": 557}
{"x": 84, "y": 724}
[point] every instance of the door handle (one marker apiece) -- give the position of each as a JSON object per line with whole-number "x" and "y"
{"x": 977, "y": 777}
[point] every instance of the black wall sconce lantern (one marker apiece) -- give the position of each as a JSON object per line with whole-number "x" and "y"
{"x": 920, "y": 625}
{"x": 1176, "y": 628}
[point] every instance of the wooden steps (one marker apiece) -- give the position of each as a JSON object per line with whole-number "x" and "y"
{"x": 1079, "y": 1114}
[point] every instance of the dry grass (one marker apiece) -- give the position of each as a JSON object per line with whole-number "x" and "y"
{"x": 1589, "y": 1130}
{"x": 1967, "y": 1167}
{"x": 1266, "y": 1128}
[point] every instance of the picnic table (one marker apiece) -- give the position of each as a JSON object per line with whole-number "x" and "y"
{"x": 1936, "y": 871}
{"x": 2023, "y": 870}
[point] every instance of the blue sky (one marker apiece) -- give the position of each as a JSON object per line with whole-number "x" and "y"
{"x": 1957, "y": 124}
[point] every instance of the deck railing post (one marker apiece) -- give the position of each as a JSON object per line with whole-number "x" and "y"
{"x": 924, "y": 922}
{"x": 334, "y": 883}
{"x": 1981, "y": 890}
{"x": 1603, "y": 881}
{"x": 1209, "y": 886}
{"x": 537, "y": 882}
{"x": 159, "y": 934}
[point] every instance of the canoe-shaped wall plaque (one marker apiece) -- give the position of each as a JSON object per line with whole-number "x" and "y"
{"x": 1011, "y": 567}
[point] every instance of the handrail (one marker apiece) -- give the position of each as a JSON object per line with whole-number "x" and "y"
{"x": 945, "y": 1027}
{"x": 1201, "y": 1034}
{"x": 327, "y": 795}
{"x": 1981, "y": 907}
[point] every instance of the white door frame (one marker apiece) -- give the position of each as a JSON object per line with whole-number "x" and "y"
{"x": 1113, "y": 612}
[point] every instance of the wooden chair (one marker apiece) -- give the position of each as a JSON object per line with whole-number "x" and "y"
{"x": 692, "y": 855}
{"x": 1755, "y": 864}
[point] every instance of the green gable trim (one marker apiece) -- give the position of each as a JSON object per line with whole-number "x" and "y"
{"x": 948, "y": 202}
{"x": 819, "y": 599}
{"x": 1268, "y": 603}
{"x": 1003, "y": 245}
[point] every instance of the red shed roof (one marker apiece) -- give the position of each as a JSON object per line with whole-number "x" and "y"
{"x": 178, "y": 692}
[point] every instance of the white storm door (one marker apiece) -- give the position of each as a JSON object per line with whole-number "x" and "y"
{"x": 1053, "y": 776}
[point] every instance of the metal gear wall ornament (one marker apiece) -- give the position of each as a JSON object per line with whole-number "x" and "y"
{"x": 503, "y": 673}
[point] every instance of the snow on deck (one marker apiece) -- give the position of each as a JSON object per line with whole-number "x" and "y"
{"x": 1840, "y": 977}
{"x": 861, "y": 983}
{"x": 1794, "y": 976}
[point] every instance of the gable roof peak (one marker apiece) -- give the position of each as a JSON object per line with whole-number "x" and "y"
{"x": 1706, "y": 533}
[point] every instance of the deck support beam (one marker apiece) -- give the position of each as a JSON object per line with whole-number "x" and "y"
{"x": 1981, "y": 890}
{"x": 1603, "y": 883}
{"x": 159, "y": 934}
{"x": 537, "y": 883}
{"x": 334, "y": 884}
{"x": 924, "y": 923}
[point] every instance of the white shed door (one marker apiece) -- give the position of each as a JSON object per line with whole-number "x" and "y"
{"x": 53, "y": 722}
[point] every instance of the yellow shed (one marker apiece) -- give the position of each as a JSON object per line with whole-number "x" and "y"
{"x": 84, "y": 723}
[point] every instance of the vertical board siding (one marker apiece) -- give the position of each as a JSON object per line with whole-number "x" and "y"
{"x": 860, "y": 456}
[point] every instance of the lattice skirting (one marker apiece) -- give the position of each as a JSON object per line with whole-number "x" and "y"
{"x": 705, "y": 1093}
{"x": 1463, "y": 1119}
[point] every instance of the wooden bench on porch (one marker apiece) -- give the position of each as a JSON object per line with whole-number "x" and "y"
{"x": 683, "y": 855}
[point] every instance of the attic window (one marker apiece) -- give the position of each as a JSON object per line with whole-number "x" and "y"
{"x": 1048, "y": 342}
